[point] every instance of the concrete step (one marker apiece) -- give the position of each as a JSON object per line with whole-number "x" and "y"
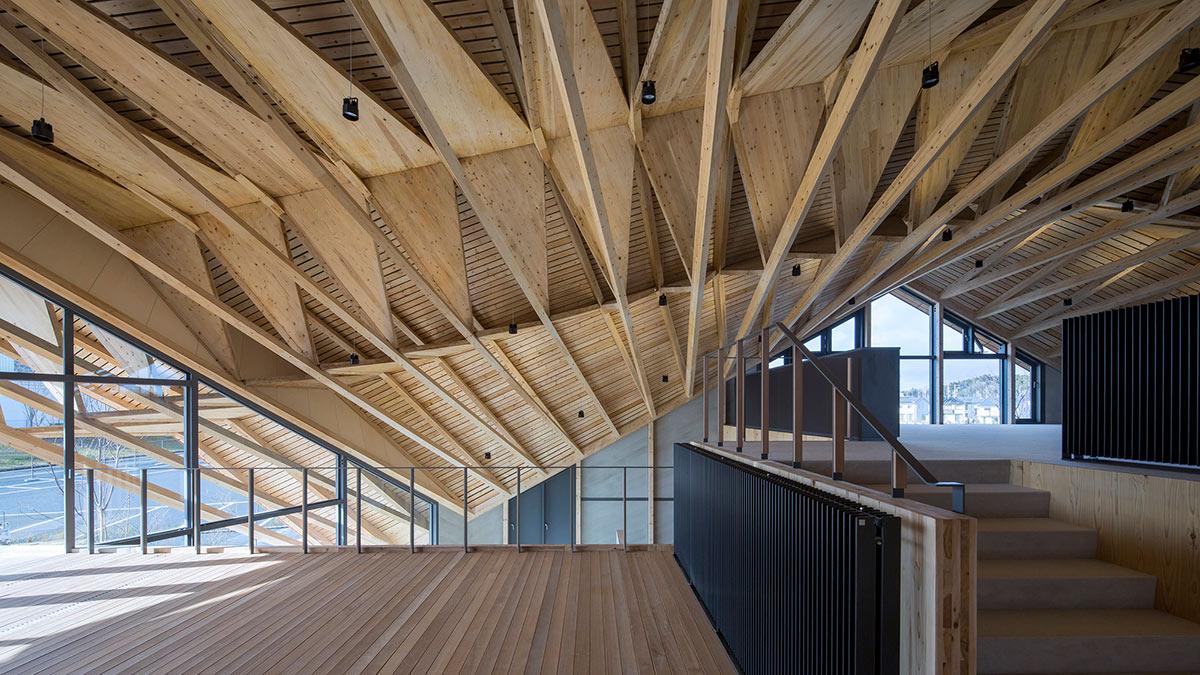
{"x": 1062, "y": 584}
{"x": 1086, "y": 641}
{"x": 1029, "y": 538}
{"x": 986, "y": 500}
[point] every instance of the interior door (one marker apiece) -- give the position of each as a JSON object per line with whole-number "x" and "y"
{"x": 559, "y": 498}
{"x": 532, "y": 516}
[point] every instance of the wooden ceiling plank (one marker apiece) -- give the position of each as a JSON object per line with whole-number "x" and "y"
{"x": 78, "y": 214}
{"x": 460, "y": 453}
{"x": 1122, "y": 66}
{"x": 1025, "y": 36}
{"x": 882, "y": 25}
{"x": 1140, "y": 295}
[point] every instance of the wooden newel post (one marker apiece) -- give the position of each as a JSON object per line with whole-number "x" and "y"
{"x": 720, "y": 396}
{"x": 740, "y": 403}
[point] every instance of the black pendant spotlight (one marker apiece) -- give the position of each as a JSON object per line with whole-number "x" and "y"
{"x": 648, "y": 94}
{"x": 1189, "y": 59}
{"x": 1127, "y": 206}
{"x": 1067, "y": 302}
{"x": 850, "y": 302}
{"x": 512, "y": 328}
{"x": 978, "y": 263}
{"x": 350, "y": 108}
{"x": 662, "y": 300}
{"x": 947, "y": 234}
{"x": 666, "y": 378}
{"x": 795, "y": 270}
{"x": 487, "y": 455}
{"x": 930, "y": 76}
{"x": 580, "y": 414}
{"x": 42, "y": 131}
{"x": 354, "y": 359}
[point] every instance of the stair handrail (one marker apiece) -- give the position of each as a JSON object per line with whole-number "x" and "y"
{"x": 898, "y": 448}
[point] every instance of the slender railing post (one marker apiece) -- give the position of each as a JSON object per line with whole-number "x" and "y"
{"x": 91, "y": 510}
{"x": 197, "y": 512}
{"x": 412, "y": 509}
{"x": 720, "y": 396}
{"x": 764, "y": 398}
{"x": 358, "y": 509}
{"x": 144, "y": 524}
{"x": 466, "y": 519}
{"x": 517, "y": 527}
{"x": 704, "y": 380}
{"x": 304, "y": 509}
{"x": 625, "y": 507}
{"x": 797, "y": 409}
{"x": 250, "y": 509}
{"x": 740, "y": 401}
{"x": 899, "y": 475}
{"x": 574, "y": 498}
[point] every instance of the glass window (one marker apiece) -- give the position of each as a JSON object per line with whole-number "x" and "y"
{"x": 813, "y": 344}
{"x": 952, "y": 338}
{"x": 898, "y": 321}
{"x": 972, "y": 391}
{"x": 916, "y": 404}
{"x": 842, "y": 336}
{"x": 1024, "y": 390}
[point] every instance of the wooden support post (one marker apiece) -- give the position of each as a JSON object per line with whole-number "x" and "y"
{"x": 764, "y": 399}
{"x": 741, "y": 394}
{"x": 899, "y": 475}
{"x": 797, "y": 409}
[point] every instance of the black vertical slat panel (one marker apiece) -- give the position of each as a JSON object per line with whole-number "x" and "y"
{"x": 1131, "y": 384}
{"x": 794, "y": 580}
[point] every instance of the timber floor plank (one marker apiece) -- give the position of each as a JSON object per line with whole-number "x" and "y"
{"x": 497, "y": 611}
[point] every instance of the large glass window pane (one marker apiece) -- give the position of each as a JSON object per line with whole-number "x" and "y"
{"x": 35, "y": 347}
{"x": 813, "y": 344}
{"x": 972, "y": 391}
{"x": 916, "y": 403}
{"x": 842, "y": 335}
{"x": 897, "y": 322}
{"x": 106, "y": 354}
{"x": 952, "y": 338}
{"x": 1024, "y": 392}
{"x": 31, "y": 479}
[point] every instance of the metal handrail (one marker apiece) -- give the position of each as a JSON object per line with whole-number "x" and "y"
{"x": 900, "y": 453}
{"x": 855, "y": 402}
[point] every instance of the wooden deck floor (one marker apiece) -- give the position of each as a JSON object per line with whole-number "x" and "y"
{"x": 441, "y": 611}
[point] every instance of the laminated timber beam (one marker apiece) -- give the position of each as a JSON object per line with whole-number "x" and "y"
{"x": 880, "y": 28}
{"x": 487, "y": 208}
{"x": 219, "y": 54}
{"x": 1025, "y": 36}
{"x": 80, "y": 215}
{"x": 1119, "y": 68}
{"x": 1147, "y": 293}
{"x": 722, "y": 30}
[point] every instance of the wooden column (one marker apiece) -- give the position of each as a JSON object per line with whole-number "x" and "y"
{"x": 720, "y": 396}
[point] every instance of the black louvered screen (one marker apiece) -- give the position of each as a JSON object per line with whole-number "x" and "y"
{"x": 794, "y": 579}
{"x": 1131, "y": 384}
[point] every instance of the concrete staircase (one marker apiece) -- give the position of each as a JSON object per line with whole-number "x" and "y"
{"x": 1046, "y": 604}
